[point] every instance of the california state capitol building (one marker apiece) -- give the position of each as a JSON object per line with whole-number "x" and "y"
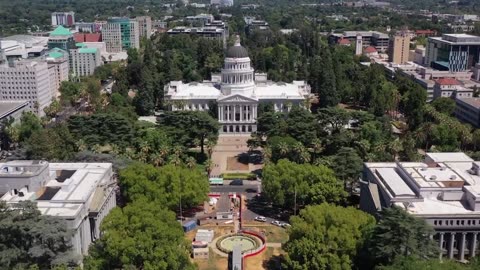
{"x": 237, "y": 91}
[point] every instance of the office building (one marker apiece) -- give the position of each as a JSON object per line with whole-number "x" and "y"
{"x": 200, "y": 19}
{"x": 399, "y": 48}
{"x": 61, "y": 38}
{"x": 208, "y": 32}
{"x": 24, "y": 46}
{"x": 27, "y": 80}
{"x": 453, "y": 52}
{"x": 121, "y": 34}
{"x": 237, "y": 91}
{"x": 89, "y": 27}
{"x": 450, "y": 87}
{"x": 87, "y": 37}
{"x": 84, "y": 60}
{"x": 444, "y": 190}
{"x": 82, "y": 194}
{"x": 58, "y": 66}
{"x": 468, "y": 110}
{"x": 369, "y": 38}
{"x": 144, "y": 26}
{"x": 63, "y": 18}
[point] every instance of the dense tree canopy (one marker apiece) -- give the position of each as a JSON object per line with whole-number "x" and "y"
{"x": 326, "y": 237}
{"x": 189, "y": 127}
{"x": 28, "y": 238}
{"x": 102, "y": 129}
{"x": 309, "y": 184}
{"x": 400, "y": 234}
{"x": 167, "y": 185}
{"x": 142, "y": 235}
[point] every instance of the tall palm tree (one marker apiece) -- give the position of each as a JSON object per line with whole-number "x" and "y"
{"x": 97, "y": 148}
{"x": 317, "y": 147}
{"x": 424, "y": 133}
{"x": 191, "y": 162}
{"x": 267, "y": 154}
{"x": 394, "y": 148}
{"x": 163, "y": 151}
{"x": 304, "y": 156}
{"x": 175, "y": 160}
{"x": 144, "y": 147}
{"x": 157, "y": 159}
{"x": 208, "y": 166}
{"x": 210, "y": 146}
{"x": 283, "y": 148}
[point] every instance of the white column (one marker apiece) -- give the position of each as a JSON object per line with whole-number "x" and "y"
{"x": 234, "y": 113}
{"x": 241, "y": 113}
{"x": 441, "y": 244}
{"x": 462, "y": 247}
{"x": 228, "y": 113}
{"x": 220, "y": 113}
{"x": 450, "y": 246}
{"x": 474, "y": 245}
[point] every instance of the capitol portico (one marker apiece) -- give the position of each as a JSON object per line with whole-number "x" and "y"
{"x": 237, "y": 92}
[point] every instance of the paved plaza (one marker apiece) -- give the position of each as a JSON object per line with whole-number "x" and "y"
{"x": 228, "y": 147}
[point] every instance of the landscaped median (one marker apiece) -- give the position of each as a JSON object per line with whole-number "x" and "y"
{"x": 241, "y": 176}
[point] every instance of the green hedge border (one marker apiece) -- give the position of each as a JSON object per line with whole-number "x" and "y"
{"x": 242, "y": 176}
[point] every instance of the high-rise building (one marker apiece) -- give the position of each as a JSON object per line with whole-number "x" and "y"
{"x": 27, "y": 80}
{"x": 63, "y": 18}
{"x": 82, "y": 194}
{"x": 399, "y": 48}
{"x": 58, "y": 66}
{"x": 144, "y": 26}
{"x": 453, "y": 52}
{"x": 120, "y": 34}
{"x": 61, "y": 38}
{"x": 84, "y": 60}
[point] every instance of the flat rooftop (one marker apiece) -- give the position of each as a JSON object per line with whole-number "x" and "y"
{"x": 458, "y": 39}
{"x": 438, "y": 186}
{"x": 7, "y": 107}
{"x": 473, "y": 102}
{"x": 71, "y": 186}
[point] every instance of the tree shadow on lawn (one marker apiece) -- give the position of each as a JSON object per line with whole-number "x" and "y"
{"x": 274, "y": 263}
{"x": 261, "y": 207}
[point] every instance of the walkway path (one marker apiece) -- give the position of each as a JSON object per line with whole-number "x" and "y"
{"x": 274, "y": 245}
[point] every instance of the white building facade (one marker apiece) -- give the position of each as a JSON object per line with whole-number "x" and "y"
{"x": 237, "y": 92}
{"x": 80, "y": 193}
{"x": 444, "y": 190}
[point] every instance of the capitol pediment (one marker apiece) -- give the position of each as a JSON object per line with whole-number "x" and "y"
{"x": 237, "y": 98}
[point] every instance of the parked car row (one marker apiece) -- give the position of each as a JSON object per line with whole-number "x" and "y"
{"x": 274, "y": 222}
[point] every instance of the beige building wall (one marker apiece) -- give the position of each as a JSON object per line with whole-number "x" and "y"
{"x": 144, "y": 26}
{"x": 399, "y": 48}
{"x": 27, "y": 81}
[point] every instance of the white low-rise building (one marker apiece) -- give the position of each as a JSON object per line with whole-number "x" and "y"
{"x": 80, "y": 193}
{"x": 444, "y": 190}
{"x": 237, "y": 92}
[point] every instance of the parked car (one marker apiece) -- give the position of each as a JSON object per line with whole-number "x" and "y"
{"x": 285, "y": 225}
{"x": 260, "y": 218}
{"x": 276, "y": 223}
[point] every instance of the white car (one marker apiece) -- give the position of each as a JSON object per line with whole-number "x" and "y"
{"x": 276, "y": 223}
{"x": 260, "y": 218}
{"x": 285, "y": 225}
